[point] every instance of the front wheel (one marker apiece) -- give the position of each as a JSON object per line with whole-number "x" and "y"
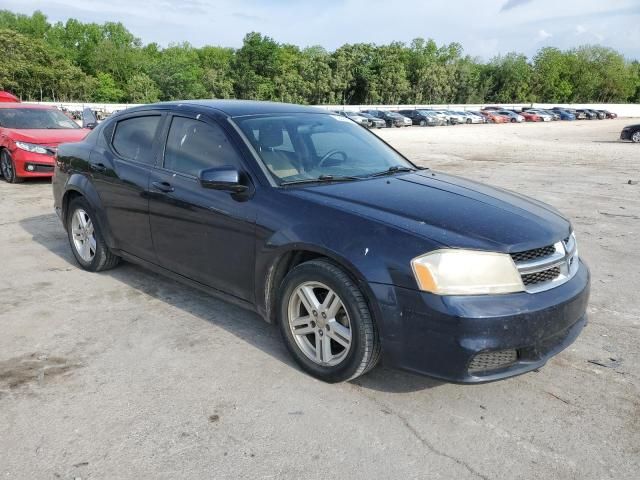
{"x": 635, "y": 138}
{"x": 326, "y": 323}
{"x": 423, "y": 123}
{"x": 8, "y": 168}
{"x": 86, "y": 240}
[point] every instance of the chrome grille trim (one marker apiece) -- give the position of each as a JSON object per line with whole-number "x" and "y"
{"x": 559, "y": 267}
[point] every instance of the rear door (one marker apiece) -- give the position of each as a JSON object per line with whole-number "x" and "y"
{"x": 203, "y": 234}
{"x": 120, "y": 169}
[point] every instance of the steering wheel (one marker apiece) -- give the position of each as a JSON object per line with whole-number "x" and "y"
{"x": 330, "y": 154}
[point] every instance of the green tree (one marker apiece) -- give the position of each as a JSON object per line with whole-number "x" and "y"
{"x": 551, "y": 75}
{"x": 142, "y": 89}
{"x": 82, "y": 61}
{"x": 178, "y": 73}
{"x": 106, "y": 89}
{"x": 510, "y": 79}
{"x": 216, "y": 63}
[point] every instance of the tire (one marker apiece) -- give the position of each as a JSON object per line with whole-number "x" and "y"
{"x": 513, "y": 120}
{"x": 423, "y": 123}
{"x": 317, "y": 352}
{"x": 468, "y": 121}
{"x": 96, "y": 256}
{"x": 635, "y": 136}
{"x": 8, "y": 168}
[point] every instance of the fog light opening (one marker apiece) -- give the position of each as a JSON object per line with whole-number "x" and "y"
{"x": 30, "y": 167}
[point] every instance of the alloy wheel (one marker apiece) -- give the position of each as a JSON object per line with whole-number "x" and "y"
{"x": 636, "y": 136}
{"x": 84, "y": 237}
{"x": 319, "y": 323}
{"x": 6, "y": 165}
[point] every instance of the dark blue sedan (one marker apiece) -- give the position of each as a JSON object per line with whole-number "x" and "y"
{"x": 322, "y": 228}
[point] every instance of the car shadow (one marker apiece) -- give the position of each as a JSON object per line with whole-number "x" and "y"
{"x": 242, "y": 323}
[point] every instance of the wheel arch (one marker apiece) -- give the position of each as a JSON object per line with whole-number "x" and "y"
{"x": 283, "y": 261}
{"x": 80, "y": 186}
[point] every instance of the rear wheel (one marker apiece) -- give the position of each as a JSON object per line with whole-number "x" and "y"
{"x": 8, "y": 168}
{"x": 86, "y": 240}
{"x": 635, "y": 137}
{"x": 326, "y": 323}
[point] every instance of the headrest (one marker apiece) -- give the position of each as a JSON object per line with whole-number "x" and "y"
{"x": 270, "y": 134}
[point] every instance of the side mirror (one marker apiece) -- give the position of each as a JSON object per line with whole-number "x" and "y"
{"x": 89, "y": 119}
{"x": 223, "y": 178}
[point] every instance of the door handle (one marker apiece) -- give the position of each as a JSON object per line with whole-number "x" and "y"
{"x": 98, "y": 167}
{"x": 162, "y": 186}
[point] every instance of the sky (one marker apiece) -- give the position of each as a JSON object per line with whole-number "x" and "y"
{"x": 485, "y": 28}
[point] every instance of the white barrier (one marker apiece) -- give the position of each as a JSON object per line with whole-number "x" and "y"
{"x": 622, "y": 109}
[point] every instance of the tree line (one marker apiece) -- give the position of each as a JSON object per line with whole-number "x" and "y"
{"x": 75, "y": 61}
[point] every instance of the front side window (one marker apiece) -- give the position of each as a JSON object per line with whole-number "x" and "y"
{"x": 311, "y": 145}
{"x": 133, "y": 138}
{"x": 35, "y": 119}
{"x": 193, "y": 146}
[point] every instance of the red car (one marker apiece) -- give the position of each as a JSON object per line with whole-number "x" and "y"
{"x": 8, "y": 97}
{"x": 29, "y": 138}
{"x": 494, "y": 117}
{"x": 531, "y": 117}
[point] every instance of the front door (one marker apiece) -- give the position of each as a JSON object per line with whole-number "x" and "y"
{"x": 203, "y": 234}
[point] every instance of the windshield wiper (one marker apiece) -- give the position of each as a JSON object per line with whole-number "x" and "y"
{"x": 392, "y": 170}
{"x": 322, "y": 179}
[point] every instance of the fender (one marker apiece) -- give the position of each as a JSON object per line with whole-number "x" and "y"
{"x": 272, "y": 265}
{"x": 79, "y": 183}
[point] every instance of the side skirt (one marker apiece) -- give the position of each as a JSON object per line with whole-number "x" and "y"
{"x": 187, "y": 281}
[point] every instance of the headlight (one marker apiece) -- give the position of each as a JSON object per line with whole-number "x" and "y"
{"x": 466, "y": 272}
{"x": 32, "y": 147}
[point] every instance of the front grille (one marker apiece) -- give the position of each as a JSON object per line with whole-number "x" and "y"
{"x": 533, "y": 254}
{"x": 547, "y": 267}
{"x": 540, "y": 277}
{"x": 487, "y": 361}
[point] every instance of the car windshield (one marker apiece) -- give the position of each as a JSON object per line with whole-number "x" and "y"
{"x": 314, "y": 146}
{"x": 35, "y": 118}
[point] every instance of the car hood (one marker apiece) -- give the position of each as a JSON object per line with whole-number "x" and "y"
{"x": 50, "y": 137}
{"x": 448, "y": 210}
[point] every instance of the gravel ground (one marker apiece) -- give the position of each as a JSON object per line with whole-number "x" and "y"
{"x": 128, "y": 375}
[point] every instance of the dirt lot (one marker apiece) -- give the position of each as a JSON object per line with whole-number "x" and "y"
{"x": 128, "y": 375}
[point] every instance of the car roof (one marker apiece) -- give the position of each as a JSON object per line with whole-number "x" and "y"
{"x": 236, "y": 108}
{"x": 26, "y": 105}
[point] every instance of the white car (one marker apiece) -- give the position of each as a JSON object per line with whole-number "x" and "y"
{"x": 407, "y": 121}
{"x": 470, "y": 117}
{"x": 364, "y": 121}
{"x": 442, "y": 115}
{"x": 456, "y": 117}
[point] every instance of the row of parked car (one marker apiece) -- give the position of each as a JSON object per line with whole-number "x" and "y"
{"x": 434, "y": 118}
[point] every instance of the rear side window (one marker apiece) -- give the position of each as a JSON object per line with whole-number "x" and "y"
{"x": 133, "y": 138}
{"x": 193, "y": 146}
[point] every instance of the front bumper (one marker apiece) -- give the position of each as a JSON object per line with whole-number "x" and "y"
{"x": 625, "y": 135}
{"x": 439, "y": 336}
{"x": 32, "y": 165}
